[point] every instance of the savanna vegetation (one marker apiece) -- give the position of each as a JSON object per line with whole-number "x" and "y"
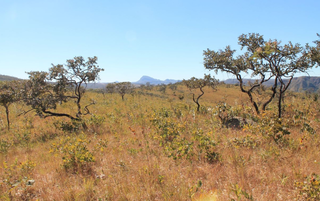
{"x": 64, "y": 142}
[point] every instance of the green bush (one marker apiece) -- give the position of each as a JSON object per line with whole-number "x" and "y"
{"x": 74, "y": 152}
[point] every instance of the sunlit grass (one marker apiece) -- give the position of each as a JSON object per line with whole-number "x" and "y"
{"x": 136, "y": 158}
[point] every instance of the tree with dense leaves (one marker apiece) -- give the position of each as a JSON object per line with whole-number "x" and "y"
{"x": 264, "y": 60}
{"x": 10, "y": 92}
{"x": 162, "y": 88}
{"x": 124, "y": 88}
{"x": 63, "y": 83}
{"x": 195, "y": 83}
{"x": 111, "y": 88}
{"x": 314, "y": 52}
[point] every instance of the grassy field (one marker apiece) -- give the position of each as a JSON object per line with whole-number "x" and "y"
{"x": 154, "y": 146}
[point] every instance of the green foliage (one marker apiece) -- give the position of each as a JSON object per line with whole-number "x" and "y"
{"x": 170, "y": 135}
{"x": 178, "y": 143}
{"x": 46, "y": 90}
{"x": 22, "y": 138}
{"x": 226, "y": 114}
{"x": 195, "y": 83}
{"x": 205, "y": 145}
{"x": 96, "y": 120}
{"x": 194, "y": 189}
{"x": 270, "y": 126}
{"x": 239, "y": 192}
{"x": 101, "y": 145}
{"x": 315, "y": 52}
{"x": 164, "y": 122}
{"x": 124, "y": 88}
{"x": 17, "y": 172}
{"x": 4, "y": 145}
{"x": 111, "y": 88}
{"x": 74, "y": 152}
{"x": 246, "y": 141}
{"x": 265, "y": 60}
{"x": 68, "y": 126}
{"x": 162, "y": 88}
{"x": 309, "y": 189}
{"x": 301, "y": 117}
{"x": 10, "y": 92}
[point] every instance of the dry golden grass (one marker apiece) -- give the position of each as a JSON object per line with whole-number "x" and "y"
{"x": 133, "y": 165}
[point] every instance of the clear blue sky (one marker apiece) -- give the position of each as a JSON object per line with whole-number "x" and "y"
{"x": 159, "y": 38}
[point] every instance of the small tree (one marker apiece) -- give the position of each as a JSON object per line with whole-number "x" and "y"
{"x": 124, "y": 88}
{"x": 10, "y": 92}
{"x": 46, "y": 90}
{"x": 173, "y": 87}
{"x": 111, "y": 88}
{"x": 149, "y": 87}
{"x": 264, "y": 60}
{"x": 162, "y": 88}
{"x": 195, "y": 83}
{"x": 142, "y": 87}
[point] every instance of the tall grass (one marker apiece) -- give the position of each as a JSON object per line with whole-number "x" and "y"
{"x": 157, "y": 147}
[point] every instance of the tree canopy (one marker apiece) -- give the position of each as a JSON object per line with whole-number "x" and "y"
{"x": 263, "y": 60}
{"x": 45, "y": 90}
{"x": 10, "y": 92}
{"x": 124, "y": 88}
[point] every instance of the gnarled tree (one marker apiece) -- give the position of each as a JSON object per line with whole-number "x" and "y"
{"x": 264, "y": 60}
{"x": 45, "y": 90}
{"x": 195, "y": 83}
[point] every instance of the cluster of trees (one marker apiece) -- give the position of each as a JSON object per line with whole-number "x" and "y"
{"x": 44, "y": 91}
{"x": 263, "y": 60}
{"x": 122, "y": 88}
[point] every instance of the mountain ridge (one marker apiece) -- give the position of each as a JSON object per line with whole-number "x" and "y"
{"x": 8, "y": 78}
{"x": 145, "y": 79}
{"x": 298, "y": 84}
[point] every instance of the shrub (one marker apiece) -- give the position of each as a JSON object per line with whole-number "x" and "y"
{"x": 68, "y": 126}
{"x": 310, "y": 188}
{"x": 4, "y": 145}
{"x": 16, "y": 175}
{"x": 74, "y": 152}
{"x": 271, "y": 127}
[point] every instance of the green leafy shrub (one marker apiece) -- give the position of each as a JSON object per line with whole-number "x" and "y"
{"x": 74, "y": 152}
{"x": 69, "y": 126}
{"x": 239, "y": 192}
{"x": 205, "y": 145}
{"x": 4, "y": 145}
{"x": 96, "y": 120}
{"x": 246, "y": 141}
{"x": 22, "y": 138}
{"x": 178, "y": 143}
{"x": 271, "y": 127}
{"x": 15, "y": 175}
{"x": 310, "y": 188}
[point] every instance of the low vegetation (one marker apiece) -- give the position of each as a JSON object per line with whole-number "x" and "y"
{"x": 154, "y": 144}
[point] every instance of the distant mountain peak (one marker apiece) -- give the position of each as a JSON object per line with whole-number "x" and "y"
{"x": 147, "y": 79}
